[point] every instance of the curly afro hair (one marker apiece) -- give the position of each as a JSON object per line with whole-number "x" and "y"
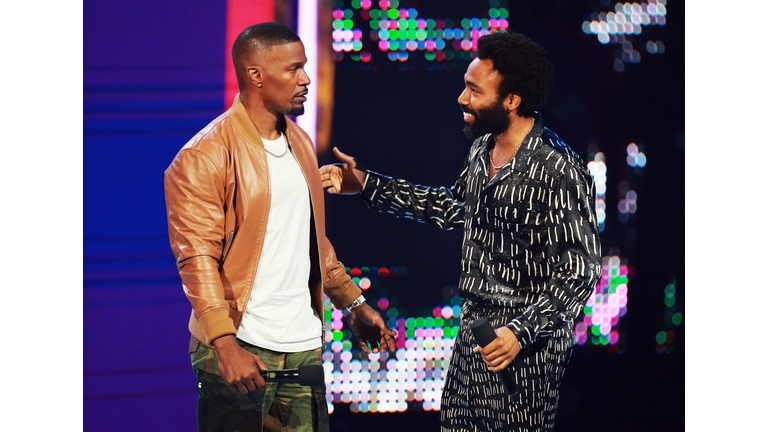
{"x": 523, "y": 66}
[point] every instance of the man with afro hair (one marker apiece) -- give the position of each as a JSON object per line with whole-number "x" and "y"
{"x": 531, "y": 251}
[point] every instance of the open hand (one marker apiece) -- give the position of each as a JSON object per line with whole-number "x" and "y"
{"x": 370, "y": 328}
{"x": 342, "y": 178}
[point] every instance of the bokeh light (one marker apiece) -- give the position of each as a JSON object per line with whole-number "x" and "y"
{"x": 623, "y": 24}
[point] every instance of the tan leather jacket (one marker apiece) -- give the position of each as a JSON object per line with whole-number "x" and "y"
{"x": 217, "y": 197}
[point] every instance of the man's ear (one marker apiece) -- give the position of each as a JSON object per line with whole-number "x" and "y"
{"x": 511, "y": 102}
{"x": 255, "y": 75}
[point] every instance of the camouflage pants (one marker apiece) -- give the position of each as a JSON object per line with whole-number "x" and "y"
{"x": 277, "y": 407}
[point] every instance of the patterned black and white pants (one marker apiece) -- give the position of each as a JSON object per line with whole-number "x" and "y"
{"x": 474, "y": 399}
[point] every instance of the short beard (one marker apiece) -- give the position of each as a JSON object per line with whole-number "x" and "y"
{"x": 489, "y": 120}
{"x": 297, "y": 111}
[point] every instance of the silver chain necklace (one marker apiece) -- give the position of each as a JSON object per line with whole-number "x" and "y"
{"x": 284, "y": 153}
{"x": 521, "y": 143}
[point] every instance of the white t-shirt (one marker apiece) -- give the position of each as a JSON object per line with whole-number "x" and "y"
{"x": 279, "y": 315}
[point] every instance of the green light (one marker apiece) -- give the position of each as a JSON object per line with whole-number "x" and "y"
{"x": 669, "y": 291}
{"x": 328, "y": 315}
{"x": 374, "y": 24}
{"x": 455, "y": 301}
{"x": 346, "y": 334}
{"x": 355, "y": 4}
{"x": 393, "y": 13}
{"x": 412, "y": 24}
{"x": 484, "y": 23}
{"x": 431, "y": 34}
{"x": 467, "y": 34}
{"x": 669, "y": 301}
{"x": 411, "y": 34}
{"x": 338, "y": 25}
{"x": 447, "y": 332}
{"x": 348, "y": 24}
{"x": 661, "y": 337}
{"x": 493, "y": 13}
{"x": 410, "y": 322}
{"x": 348, "y": 13}
{"x": 419, "y": 322}
{"x": 603, "y": 340}
{"x": 430, "y": 23}
{"x": 395, "y": 34}
{"x": 455, "y": 331}
{"x": 410, "y": 333}
{"x": 402, "y": 24}
{"x": 438, "y": 322}
{"x": 337, "y": 335}
{"x": 357, "y": 46}
{"x": 429, "y": 322}
{"x": 588, "y": 310}
{"x": 439, "y": 34}
{"x": 394, "y": 4}
{"x": 392, "y": 313}
{"x": 421, "y": 34}
{"x": 346, "y": 345}
{"x": 596, "y": 330}
{"x": 677, "y": 318}
{"x": 466, "y": 23}
{"x": 494, "y": 3}
{"x": 429, "y": 55}
{"x": 375, "y": 13}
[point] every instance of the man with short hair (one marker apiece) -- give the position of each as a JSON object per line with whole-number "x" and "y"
{"x": 246, "y": 221}
{"x": 531, "y": 251}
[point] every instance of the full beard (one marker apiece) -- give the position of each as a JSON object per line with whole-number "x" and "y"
{"x": 492, "y": 119}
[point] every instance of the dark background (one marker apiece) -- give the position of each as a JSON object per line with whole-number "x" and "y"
{"x": 154, "y": 75}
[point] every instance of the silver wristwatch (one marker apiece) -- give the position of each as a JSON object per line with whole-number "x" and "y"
{"x": 358, "y": 301}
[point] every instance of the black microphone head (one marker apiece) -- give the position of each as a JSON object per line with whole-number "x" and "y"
{"x": 311, "y": 375}
{"x": 482, "y": 331}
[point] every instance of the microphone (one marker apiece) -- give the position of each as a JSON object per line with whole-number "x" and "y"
{"x": 307, "y": 375}
{"x": 484, "y": 334}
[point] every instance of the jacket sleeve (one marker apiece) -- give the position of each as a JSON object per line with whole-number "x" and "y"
{"x": 574, "y": 255}
{"x": 337, "y": 284}
{"x": 439, "y": 206}
{"x": 195, "y": 201}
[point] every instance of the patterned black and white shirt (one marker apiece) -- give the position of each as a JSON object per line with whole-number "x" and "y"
{"x": 530, "y": 234}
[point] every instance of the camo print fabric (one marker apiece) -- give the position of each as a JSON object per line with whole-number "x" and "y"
{"x": 277, "y": 407}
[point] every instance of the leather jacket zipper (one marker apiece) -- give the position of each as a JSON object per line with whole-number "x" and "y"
{"x": 226, "y": 248}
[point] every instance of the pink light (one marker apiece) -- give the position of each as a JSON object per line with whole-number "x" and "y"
{"x": 357, "y": 34}
{"x": 384, "y": 46}
{"x": 383, "y": 303}
{"x": 421, "y": 24}
{"x": 430, "y": 45}
{"x": 393, "y": 25}
{"x": 338, "y": 14}
{"x": 419, "y": 333}
{"x": 503, "y": 23}
{"x": 493, "y": 23}
{"x": 365, "y": 4}
{"x": 384, "y": 4}
{"x": 307, "y": 23}
{"x": 402, "y": 14}
{"x": 437, "y": 312}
